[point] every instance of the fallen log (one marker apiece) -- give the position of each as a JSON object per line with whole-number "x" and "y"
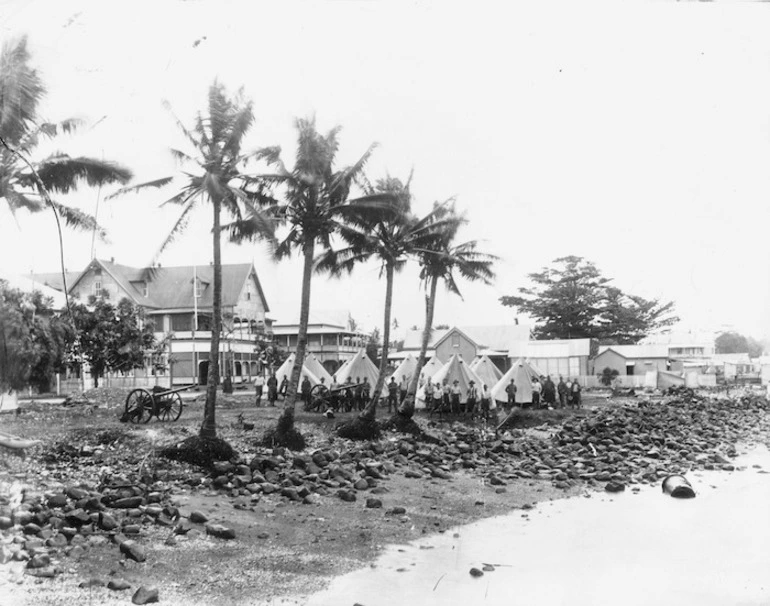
{"x": 15, "y": 443}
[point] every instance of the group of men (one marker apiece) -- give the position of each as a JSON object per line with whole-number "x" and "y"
{"x": 346, "y": 396}
{"x": 442, "y": 397}
{"x": 545, "y": 392}
{"x": 273, "y": 390}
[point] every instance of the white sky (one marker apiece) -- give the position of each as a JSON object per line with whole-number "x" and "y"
{"x": 636, "y": 136}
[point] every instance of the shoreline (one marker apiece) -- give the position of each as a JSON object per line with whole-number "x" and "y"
{"x": 286, "y": 551}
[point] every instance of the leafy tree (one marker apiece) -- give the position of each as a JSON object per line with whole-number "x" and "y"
{"x": 390, "y": 236}
{"x": 733, "y": 342}
{"x": 25, "y": 184}
{"x": 34, "y": 340}
{"x": 444, "y": 261}
{"x": 216, "y": 140}
{"x": 316, "y": 201}
{"x": 112, "y": 337}
{"x": 607, "y": 376}
{"x": 573, "y": 300}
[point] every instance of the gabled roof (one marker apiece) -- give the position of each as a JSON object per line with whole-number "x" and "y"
{"x": 497, "y": 337}
{"x": 633, "y": 352}
{"x": 452, "y": 331}
{"x": 171, "y": 287}
{"x": 29, "y": 285}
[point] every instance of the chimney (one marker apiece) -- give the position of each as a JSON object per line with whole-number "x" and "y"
{"x": 112, "y": 259}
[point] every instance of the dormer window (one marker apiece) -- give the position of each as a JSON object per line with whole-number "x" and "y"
{"x": 198, "y": 288}
{"x": 145, "y": 289}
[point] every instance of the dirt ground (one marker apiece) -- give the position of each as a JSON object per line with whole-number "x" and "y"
{"x": 284, "y": 550}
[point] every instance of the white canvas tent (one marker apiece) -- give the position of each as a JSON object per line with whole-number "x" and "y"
{"x": 405, "y": 369}
{"x": 486, "y": 371}
{"x": 430, "y": 368}
{"x": 522, "y": 373}
{"x": 457, "y": 370}
{"x": 284, "y": 370}
{"x": 314, "y": 365}
{"x": 359, "y": 366}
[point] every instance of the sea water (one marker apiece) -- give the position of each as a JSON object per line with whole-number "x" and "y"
{"x": 626, "y": 548}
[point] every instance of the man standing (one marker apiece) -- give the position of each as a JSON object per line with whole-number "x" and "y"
{"x": 392, "y": 394}
{"x": 284, "y": 386}
{"x": 402, "y": 387}
{"x": 561, "y": 388}
{"x": 549, "y": 392}
{"x": 456, "y": 392}
{"x": 272, "y": 389}
{"x": 367, "y": 389}
{"x": 259, "y": 384}
{"x": 536, "y": 389}
{"x": 575, "y": 392}
{"x": 486, "y": 396}
{"x": 510, "y": 389}
{"x": 305, "y": 389}
{"x": 471, "y": 397}
{"x": 359, "y": 394}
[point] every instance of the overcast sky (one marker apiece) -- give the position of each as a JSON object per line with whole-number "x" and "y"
{"x": 636, "y": 136}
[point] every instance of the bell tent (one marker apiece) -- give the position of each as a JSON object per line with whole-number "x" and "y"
{"x": 405, "y": 369}
{"x": 522, "y": 373}
{"x": 430, "y": 368}
{"x": 284, "y": 370}
{"x": 486, "y": 371}
{"x": 314, "y": 365}
{"x": 359, "y": 366}
{"x": 457, "y": 370}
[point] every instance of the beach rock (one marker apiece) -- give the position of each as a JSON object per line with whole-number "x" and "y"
{"x": 219, "y": 531}
{"x": 614, "y": 486}
{"x": 346, "y": 495}
{"x": 118, "y": 585}
{"x": 145, "y": 595}
{"x": 132, "y": 549}
{"x": 372, "y": 503}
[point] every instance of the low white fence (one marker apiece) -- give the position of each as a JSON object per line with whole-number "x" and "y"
{"x": 66, "y": 387}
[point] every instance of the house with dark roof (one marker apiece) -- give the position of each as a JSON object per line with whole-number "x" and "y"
{"x": 634, "y": 359}
{"x": 179, "y": 300}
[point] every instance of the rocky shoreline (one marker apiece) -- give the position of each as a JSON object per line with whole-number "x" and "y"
{"x": 71, "y": 501}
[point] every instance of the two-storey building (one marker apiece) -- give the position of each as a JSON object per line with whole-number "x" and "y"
{"x": 179, "y": 301}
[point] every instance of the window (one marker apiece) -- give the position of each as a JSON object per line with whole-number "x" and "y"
{"x": 455, "y": 340}
{"x": 248, "y": 296}
{"x": 181, "y": 322}
{"x": 145, "y": 289}
{"x": 198, "y": 288}
{"x": 98, "y": 287}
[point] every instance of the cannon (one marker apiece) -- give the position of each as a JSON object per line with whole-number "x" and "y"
{"x": 143, "y": 404}
{"x": 340, "y": 398}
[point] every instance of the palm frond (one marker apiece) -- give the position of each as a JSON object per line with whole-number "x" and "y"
{"x": 179, "y": 226}
{"x": 154, "y": 184}
{"x": 181, "y": 156}
{"x": 62, "y": 173}
{"x": 78, "y": 219}
{"x": 21, "y": 90}
{"x": 188, "y": 135}
{"x": 19, "y": 200}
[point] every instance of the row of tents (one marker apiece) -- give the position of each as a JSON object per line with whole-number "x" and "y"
{"x": 481, "y": 371}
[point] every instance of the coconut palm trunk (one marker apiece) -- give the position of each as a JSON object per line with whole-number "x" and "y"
{"x": 371, "y": 408}
{"x": 304, "y": 315}
{"x": 407, "y": 409}
{"x": 209, "y": 427}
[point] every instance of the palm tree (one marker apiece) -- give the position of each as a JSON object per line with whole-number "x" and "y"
{"x": 439, "y": 263}
{"x": 216, "y": 140}
{"x": 391, "y": 236}
{"x": 317, "y": 202}
{"x": 24, "y": 183}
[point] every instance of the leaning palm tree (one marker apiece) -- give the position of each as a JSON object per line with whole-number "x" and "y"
{"x": 440, "y": 263}
{"x": 216, "y": 139}
{"x": 391, "y": 236}
{"x": 26, "y": 183}
{"x": 316, "y": 203}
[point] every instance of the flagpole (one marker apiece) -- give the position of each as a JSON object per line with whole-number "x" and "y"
{"x": 195, "y": 322}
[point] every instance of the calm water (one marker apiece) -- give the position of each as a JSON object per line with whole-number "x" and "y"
{"x": 644, "y": 548}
